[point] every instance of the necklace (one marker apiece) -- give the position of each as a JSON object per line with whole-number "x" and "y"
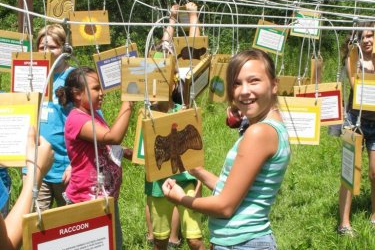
{"x": 265, "y": 116}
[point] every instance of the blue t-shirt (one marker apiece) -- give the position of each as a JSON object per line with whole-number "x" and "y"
{"x": 3, "y": 194}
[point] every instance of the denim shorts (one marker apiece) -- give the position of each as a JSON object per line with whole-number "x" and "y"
{"x": 266, "y": 242}
{"x": 368, "y": 130}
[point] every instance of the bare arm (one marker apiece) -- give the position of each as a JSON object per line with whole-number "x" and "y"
{"x": 260, "y": 142}
{"x": 193, "y": 19}
{"x": 10, "y": 231}
{"x": 169, "y": 31}
{"x": 206, "y": 177}
{"x": 113, "y": 135}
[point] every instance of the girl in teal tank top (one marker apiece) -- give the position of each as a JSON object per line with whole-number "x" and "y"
{"x": 254, "y": 167}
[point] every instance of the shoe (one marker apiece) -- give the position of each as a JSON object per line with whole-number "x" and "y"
{"x": 345, "y": 231}
{"x": 173, "y": 245}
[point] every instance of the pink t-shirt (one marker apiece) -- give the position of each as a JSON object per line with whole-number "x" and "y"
{"x": 83, "y": 180}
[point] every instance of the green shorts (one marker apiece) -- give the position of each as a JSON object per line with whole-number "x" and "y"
{"x": 161, "y": 215}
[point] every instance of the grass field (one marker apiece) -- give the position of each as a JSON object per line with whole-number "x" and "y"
{"x": 305, "y": 215}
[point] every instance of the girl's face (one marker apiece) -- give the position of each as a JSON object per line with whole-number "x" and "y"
{"x": 254, "y": 92}
{"x": 50, "y": 45}
{"x": 96, "y": 93}
{"x": 367, "y": 41}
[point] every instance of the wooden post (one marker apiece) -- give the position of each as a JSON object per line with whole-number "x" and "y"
{"x": 22, "y": 15}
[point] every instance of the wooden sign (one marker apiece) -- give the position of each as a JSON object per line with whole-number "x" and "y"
{"x": 352, "y": 62}
{"x": 194, "y": 82}
{"x": 331, "y": 95}
{"x": 85, "y": 225}
{"x": 286, "y": 84}
{"x": 89, "y": 34}
{"x": 108, "y": 66}
{"x": 11, "y": 42}
{"x": 60, "y": 8}
{"x": 306, "y": 19}
{"x": 138, "y": 149}
{"x": 18, "y": 112}
{"x": 160, "y": 75}
{"x": 173, "y": 143}
{"x": 301, "y": 117}
{"x": 363, "y": 92}
{"x": 270, "y": 39}
{"x": 20, "y": 69}
{"x": 196, "y": 45}
{"x": 218, "y": 74}
{"x": 316, "y": 70}
{"x": 351, "y": 160}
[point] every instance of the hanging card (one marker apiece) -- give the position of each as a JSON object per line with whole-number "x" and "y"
{"x": 351, "y": 160}
{"x": 11, "y": 42}
{"x": 18, "y": 112}
{"x": 60, "y": 8}
{"x": 301, "y": 117}
{"x": 194, "y": 82}
{"x": 138, "y": 149}
{"x": 196, "y": 45}
{"x": 89, "y": 34}
{"x": 286, "y": 84}
{"x": 331, "y": 95}
{"x": 364, "y": 92}
{"x": 160, "y": 75}
{"x": 306, "y": 19}
{"x": 42, "y": 63}
{"x": 85, "y": 225}
{"x": 316, "y": 70}
{"x": 218, "y": 74}
{"x": 270, "y": 39}
{"x": 173, "y": 143}
{"x": 108, "y": 66}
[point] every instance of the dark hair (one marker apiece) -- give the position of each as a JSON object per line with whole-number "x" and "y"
{"x": 74, "y": 81}
{"x": 237, "y": 62}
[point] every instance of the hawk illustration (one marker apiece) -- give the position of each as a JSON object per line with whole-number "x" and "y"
{"x": 172, "y": 146}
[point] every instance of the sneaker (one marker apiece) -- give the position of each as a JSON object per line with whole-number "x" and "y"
{"x": 345, "y": 231}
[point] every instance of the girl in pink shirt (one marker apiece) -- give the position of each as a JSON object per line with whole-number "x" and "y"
{"x": 79, "y": 139}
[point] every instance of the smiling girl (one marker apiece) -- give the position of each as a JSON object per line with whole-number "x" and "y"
{"x": 254, "y": 167}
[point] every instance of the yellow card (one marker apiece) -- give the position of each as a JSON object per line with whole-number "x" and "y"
{"x": 89, "y": 34}
{"x": 302, "y": 119}
{"x": 351, "y": 164}
{"x": 364, "y": 93}
{"x": 18, "y": 111}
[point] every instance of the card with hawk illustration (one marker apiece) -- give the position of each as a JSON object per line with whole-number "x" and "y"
{"x": 173, "y": 143}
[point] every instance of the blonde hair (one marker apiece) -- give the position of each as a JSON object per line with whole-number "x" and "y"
{"x": 55, "y": 31}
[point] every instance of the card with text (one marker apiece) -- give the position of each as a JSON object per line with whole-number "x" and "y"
{"x": 301, "y": 117}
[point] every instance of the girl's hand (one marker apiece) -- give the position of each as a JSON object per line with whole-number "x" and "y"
{"x": 195, "y": 171}
{"x": 66, "y": 175}
{"x": 174, "y": 10}
{"x": 190, "y": 6}
{"x": 173, "y": 191}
